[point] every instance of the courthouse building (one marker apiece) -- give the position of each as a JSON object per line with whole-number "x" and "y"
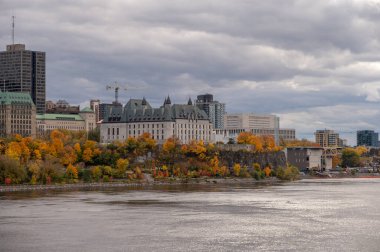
{"x": 184, "y": 121}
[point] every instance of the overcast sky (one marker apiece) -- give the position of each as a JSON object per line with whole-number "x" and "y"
{"x": 314, "y": 63}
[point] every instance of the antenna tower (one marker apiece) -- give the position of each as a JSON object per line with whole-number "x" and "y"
{"x": 13, "y": 30}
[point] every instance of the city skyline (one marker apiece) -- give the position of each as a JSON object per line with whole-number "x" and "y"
{"x": 313, "y": 64}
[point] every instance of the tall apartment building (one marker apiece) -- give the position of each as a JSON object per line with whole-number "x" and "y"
{"x": 23, "y": 70}
{"x": 214, "y": 109}
{"x": 327, "y": 138}
{"x": 17, "y": 114}
{"x": 367, "y": 137}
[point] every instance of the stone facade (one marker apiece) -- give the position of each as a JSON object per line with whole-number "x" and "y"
{"x": 17, "y": 114}
{"x": 85, "y": 121}
{"x": 185, "y": 122}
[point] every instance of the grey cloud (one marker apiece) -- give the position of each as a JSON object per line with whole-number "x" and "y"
{"x": 287, "y": 57}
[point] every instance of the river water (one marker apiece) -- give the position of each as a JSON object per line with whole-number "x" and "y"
{"x": 308, "y": 215}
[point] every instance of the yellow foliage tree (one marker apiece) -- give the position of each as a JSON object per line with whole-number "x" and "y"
{"x": 87, "y": 155}
{"x": 71, "y": 172}
{"x": 14, "y": 150}
{"x": 121, "y": 167}
{"x": 249, "y": 138}
{"x": 237, "y": 169}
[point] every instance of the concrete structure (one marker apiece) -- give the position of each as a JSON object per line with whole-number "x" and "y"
{"x": 256, "y": 124}
{"x": 214, "y": 109}
{"x": 94, "y": 105}
{"x": 226, "y": 135}
{"x": 327, "y": 138}
{"x": 23, "y": 70}
{"x": 308, "y": 158}
{"x": 85, "y": 121}
{"x": 251, "y": 121}
{"x": 17, "y": 114}
{"x": 367, "y": 138}
{"x": 185, "y": 122}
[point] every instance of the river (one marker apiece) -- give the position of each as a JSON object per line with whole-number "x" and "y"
{"x": 307, "y": 215}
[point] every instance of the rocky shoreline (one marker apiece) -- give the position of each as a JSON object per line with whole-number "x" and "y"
{"x": 134, "y": 184}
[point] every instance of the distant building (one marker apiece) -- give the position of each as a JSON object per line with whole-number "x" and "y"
{"x": 61, "y": 107}
{"x": 105, "y": 107}
{"x": 225, "y": 135}
{"x": 256, "y": 124}
{"x": 17, "y": 114}
{"x": 368, "y": 138}
{"x": 94, "y": 105}
{"x": 84, "y": 121}
{"x": 23, "y": 70}
{"x": 214, "y": 109}
{"x": 308, "y": 158}
{"x": 183, "y": 121}
{"x": 327, "y": 138}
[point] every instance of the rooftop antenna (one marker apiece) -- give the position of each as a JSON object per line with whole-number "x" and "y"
{"x": 13, "y": 30}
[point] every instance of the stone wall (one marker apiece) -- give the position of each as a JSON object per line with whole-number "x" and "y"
{"x": 274, "y": 159}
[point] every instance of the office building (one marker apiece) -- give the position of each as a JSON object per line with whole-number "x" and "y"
{"x": 17, "y": 114}
{"x": 256, "y": 124}
{"x": 367, "y": 138}
{"x": 185, "y": 122}
{"x": 308, "y": 158}
{"x": 61, "y": 107}
{"x": 327, "y": 138}
{"x": 23, "y": 70}
{"x": 214, "y": 109}
{"x": 83, "y": 121}
{"x": 105, "y": 107}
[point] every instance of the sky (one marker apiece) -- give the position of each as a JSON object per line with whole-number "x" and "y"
{"x": 316, "y": 64}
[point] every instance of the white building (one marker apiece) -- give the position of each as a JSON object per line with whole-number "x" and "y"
{"x": 85, "y": 121}
{"x": 185, "y": 122}
{"x": 257, "y": 124}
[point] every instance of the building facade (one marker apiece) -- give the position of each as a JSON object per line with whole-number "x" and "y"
{"x": 327, "y": 138}
{"x": 184, "y": 122}
{"x": 368, "y": 138}
{"x": 84, "y": 121}
{"x": 23, "y": 70}
{"x": 214, "y": 109}
{"x": 257, "y": 125}
{"x": 104, "y": 108}
{"x": 308, "y": 158}
{"x": 17, "y": 114}
{"x": 226, "y": 136}
{"x": 94, "y": 105}
{"x": 61, "y": 107}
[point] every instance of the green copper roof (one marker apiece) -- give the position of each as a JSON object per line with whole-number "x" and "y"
{"x": 63, "y": 117}
{"x": 9, "y": 98}
{"x": 87, "y": 110}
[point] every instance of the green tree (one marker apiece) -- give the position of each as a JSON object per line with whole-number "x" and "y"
{"x": 350, "y": 158}
{"x": 10, "y": 168}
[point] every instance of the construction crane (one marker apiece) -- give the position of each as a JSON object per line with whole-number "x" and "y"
{"x": 116, "y": 87}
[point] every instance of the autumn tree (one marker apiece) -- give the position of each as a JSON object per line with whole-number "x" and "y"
{"x": 350, "y": 158}
{"x": 249, "y": 138}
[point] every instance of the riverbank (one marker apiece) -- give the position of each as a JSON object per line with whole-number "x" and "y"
{"x": 134, "y": 184}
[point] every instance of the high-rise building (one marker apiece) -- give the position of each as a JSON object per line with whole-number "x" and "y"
{"x": 327, "y": 138}
{"x": 214, "y": 109}
{"x": 23, "y": 71}
{"x": 367, "y": 138}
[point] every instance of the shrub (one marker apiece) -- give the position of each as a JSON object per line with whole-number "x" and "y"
{"x": 11, "y": 170}
{"x": 289, "y": 173}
